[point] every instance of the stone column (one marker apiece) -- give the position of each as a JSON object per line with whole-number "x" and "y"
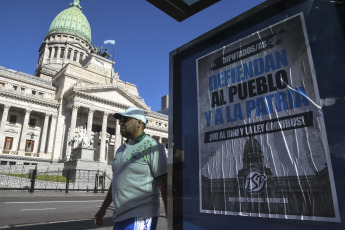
{"x": 104, "y": 136}
{"x": 118, "y": 137}
{"x": 3, "y": 124}
{"x": 23, "y": 135}
{"x": 72, "y": 129}
{"x": 78, "y": 54}
{"x": 89, "y": 123}
{"x": 44, "y": 133}
{"x": 51, "y": 138}
{"x": 58, "y": 53}
{"x": 65, "y": 56}
{"x": 45, "y": 55}
{"x": 55, "y": 51}
{"x": 73, "y": 121}
{"x": 160, "y": 140}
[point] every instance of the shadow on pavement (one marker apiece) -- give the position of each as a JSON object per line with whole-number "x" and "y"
{"x": 81, "y": 225}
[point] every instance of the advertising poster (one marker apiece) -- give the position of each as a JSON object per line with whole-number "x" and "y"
{"x": 263, "y": 147}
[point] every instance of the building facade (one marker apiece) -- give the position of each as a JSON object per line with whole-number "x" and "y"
{"x": 74, "y": 90}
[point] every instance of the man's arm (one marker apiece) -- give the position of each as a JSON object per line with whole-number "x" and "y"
{"x": 162, "y": 181}
{"x": 98, "y": 219}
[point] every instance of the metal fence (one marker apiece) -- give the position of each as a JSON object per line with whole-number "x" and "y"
{"x": 31, "y": 179}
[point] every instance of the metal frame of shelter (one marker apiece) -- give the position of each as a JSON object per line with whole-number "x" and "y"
{"x": 325, "y": 26}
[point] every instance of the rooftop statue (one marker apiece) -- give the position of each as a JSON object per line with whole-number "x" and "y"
{"x": 94, "y": 49}
{"x": 99, "y": 52}
{"x": 106, "y": 54}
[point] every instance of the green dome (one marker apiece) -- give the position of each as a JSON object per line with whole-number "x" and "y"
{"x": 72, "y": 21}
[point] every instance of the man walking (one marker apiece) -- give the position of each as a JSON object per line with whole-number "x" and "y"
{"x": 139, "y": 175}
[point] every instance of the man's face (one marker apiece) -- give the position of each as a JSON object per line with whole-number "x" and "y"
{"x": 128, "y": 127}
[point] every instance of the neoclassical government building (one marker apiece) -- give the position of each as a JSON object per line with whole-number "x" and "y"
{"x": 74, "y": 90}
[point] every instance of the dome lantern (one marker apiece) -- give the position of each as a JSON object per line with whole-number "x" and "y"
{"x": 76, "y": 3}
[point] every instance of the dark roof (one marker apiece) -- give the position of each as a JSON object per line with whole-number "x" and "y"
{"x": 181, "y": 9}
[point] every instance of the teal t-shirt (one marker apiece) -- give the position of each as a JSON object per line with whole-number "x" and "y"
{"x": 136, "y": 165}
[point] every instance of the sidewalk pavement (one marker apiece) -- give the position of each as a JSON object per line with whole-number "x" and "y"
{"x": 39, "y": 193}
{"x": 162, "y": 225}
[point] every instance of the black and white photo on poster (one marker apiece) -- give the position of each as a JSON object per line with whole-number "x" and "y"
{"x": 263, "y": 148}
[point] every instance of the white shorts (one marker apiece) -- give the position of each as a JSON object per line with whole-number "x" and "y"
{"x": 137, "y": 223}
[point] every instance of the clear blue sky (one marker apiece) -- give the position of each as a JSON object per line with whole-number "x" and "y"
{"x": 144, "y": 35}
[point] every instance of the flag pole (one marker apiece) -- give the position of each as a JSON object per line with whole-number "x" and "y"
{"x": 112, "y": 63}
{"x": 112, "y": 59}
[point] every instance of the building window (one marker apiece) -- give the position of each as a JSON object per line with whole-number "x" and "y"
{"x": 3, "y": 162}
{"x": 62, "y": 54}
{"x": 96, "y": 128}
{"x": 29, "y": 147}
{"x": 15, "y": 87}
{"x": 8, "y": 144}
{"x": 12, "y": 163}
{"x": 111, "y": 131}
{"x": 13, "y": 119}
{"x": 81, "y": 57}
{"x": 32, "y": 122}
{"x": 50, "y": 53}
{"x": 2, "y": 84}
{"x": 69, "y": 53}
{"x": 75, "y": 56}
{"x": 40, "y": 94}
{"x": 34, "y": 92}
{"x": 55, "y": 51}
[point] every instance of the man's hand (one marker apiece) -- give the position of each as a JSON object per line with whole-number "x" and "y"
{"x": 98, "y": 219}
{"x": 163, "y": 186}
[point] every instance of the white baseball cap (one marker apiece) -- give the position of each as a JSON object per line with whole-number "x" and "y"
{"x": 132, "y": 112}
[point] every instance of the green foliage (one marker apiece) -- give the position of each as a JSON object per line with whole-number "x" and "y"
{"x": 55, "y": 178}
